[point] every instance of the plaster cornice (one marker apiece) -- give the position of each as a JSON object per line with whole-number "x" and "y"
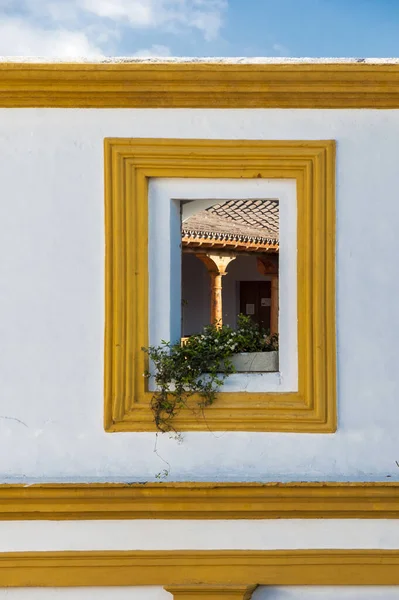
{"x": 205, "y": 500}
{"x": 197, "y": 84}
{"x": 220, "y": 572}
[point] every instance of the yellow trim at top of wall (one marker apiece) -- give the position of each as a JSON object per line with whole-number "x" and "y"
{"x": 199, "y": 85}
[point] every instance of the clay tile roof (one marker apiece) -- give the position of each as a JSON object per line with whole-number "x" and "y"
{"x": 247, "y": 221}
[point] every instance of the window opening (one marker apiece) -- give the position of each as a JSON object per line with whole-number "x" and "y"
{"x": 230, "y": 253}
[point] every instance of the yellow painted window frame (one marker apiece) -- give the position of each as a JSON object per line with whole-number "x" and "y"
{"x": 129, "y": 165}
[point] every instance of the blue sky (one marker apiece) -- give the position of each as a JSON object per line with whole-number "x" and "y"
{"x": 252, "y": 28}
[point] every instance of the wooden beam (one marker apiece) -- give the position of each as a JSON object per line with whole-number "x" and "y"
{"x": 213, "y": 243}
{"x": 228, "y": 251}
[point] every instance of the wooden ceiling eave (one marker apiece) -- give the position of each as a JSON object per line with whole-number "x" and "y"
{"x": 189, "y": 244}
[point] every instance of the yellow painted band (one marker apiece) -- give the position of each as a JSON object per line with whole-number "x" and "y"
{"x": 141, "y": 85}
{"x": 183, "y": 567}
{"x": 200, "y": 501}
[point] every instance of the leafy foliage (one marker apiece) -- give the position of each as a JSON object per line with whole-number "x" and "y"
{"x": 198, "y": 367}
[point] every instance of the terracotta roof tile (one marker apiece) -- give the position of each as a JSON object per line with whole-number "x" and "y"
{"x": 252, "y": 221}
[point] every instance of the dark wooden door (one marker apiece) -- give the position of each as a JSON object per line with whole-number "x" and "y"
{"x": 255, "y": 301}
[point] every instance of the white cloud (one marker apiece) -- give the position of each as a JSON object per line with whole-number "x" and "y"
{"x": 20, "y": 38}
{"x": 72, "y": 28}
{"x": 154, "y": 52}
{"x": 203, "y": 15}
{"x": 139, "y": 13}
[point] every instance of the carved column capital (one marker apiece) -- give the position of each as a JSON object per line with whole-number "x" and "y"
{"x": 215, "y": 263}
{"x": 267, "y": 265}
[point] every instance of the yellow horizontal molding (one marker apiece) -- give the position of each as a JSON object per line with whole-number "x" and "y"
{"x": 178, "y": 85}
{"x": 183, "y": 567}
{"x": 200, "y": 501}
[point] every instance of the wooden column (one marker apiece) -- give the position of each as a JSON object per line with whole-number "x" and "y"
{"x": 269, "y": 266}
{"x": 216, "y": 298}
{"x": 216, "y": 265}
{"x": 274, "y": 305}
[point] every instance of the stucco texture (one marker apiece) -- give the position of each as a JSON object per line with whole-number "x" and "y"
{"x": 52, "y": 302}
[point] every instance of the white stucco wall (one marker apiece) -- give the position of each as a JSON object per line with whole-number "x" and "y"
{"x": 288, "y": 534}
{"x": 158, "y": 534}
{"x": 326, "y": 593}
{"x": 158, "y": 593}
{"x": 52, "y": 301}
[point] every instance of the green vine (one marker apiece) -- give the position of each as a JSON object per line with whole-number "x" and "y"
{"x": 197, "y": 368}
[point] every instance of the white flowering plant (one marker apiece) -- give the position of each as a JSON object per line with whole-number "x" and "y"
{"x": 190, "y": 374}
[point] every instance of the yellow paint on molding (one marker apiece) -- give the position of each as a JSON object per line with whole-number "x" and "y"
{"x": 200, "y": 501}
{"x": 188, "y": 567}
{"x": 129, "y": 164}
{"x": 199, "y": 85}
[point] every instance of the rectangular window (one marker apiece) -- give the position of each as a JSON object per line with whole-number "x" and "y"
{"x": 176, "y": 264}
{"x": 150, "y": 184}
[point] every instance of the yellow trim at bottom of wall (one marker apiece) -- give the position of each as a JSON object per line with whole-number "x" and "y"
{"x": 183, "y": 567}
{"x": 200, "y": 501}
